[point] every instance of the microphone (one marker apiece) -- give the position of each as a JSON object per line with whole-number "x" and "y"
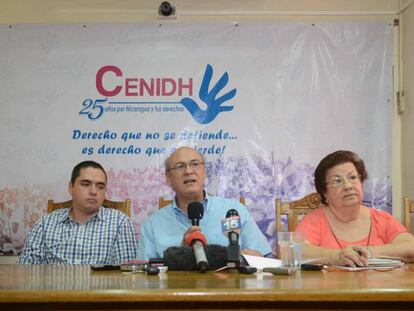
{"x": 195, "y": 212}
{"x": 231, "y": 228}
{"x": 197, "y": 240}
{"x": 181, "y": 258}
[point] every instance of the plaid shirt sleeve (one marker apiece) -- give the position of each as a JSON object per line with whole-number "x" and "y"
{"x": 33, "y": 249}
{"x": 125, "y": 248}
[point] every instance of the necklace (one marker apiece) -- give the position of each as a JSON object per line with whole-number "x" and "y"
{"x": 339, "y": 244}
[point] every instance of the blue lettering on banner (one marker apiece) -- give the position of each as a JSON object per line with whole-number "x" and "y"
{"x": 201, "y": 135}
{"x": 77, "y": 134}
{"x": 169, "y": 136}
{"x": 211, "y": 150}
{"x": 137, "y": 109}
{"x": 119, "y": 150}
{"x": 153, "y": 150}
{"x": 152, "y": 135}
{"x": 130, "y": 136}
{"x": 93, "y": 108}
{"x": 87, "y": 150}
{"x": 213, "y": 138}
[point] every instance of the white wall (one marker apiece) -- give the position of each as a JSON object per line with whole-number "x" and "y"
{"x": 83, "y": 11}
{"x": 408, "y": 116}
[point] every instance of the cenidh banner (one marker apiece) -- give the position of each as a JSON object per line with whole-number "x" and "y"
{"x": 264, "y": 102}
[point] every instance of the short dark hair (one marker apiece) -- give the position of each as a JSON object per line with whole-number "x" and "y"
{"x": 333, "y": 159}
{"x": 85, "y": 164}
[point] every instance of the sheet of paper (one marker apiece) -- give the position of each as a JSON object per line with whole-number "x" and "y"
{"x": 373, "y": 264}
{"x": 262, "y": 262}
{"x": 386, "y": 262}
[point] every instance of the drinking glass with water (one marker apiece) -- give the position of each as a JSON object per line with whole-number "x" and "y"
{"x": 290, "y": 248}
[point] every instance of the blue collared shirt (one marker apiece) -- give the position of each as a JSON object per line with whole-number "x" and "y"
{"x": 167, "y": 226}
{"x": 107, "y": 238}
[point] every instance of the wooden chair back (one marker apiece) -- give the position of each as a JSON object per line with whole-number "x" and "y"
{"x": 295, "y": 210}
{"x": 162, "y": 202}
{"x": 408, "y": 210}
{"x": 123, "y": 206}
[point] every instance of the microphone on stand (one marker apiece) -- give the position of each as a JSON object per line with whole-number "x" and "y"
{"x": 231, "y": 228}
{"x": 196, "y": 239}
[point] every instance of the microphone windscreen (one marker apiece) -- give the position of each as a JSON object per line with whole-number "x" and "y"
{"x": 232, "y": 212}
{"x": 216, "y": 256}
{"x": 194, "y": 236}
{"x": 195, "y": 210}
{"x": 181, "y": 258}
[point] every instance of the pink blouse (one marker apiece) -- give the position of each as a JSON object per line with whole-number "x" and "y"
{"x": 316, "y": 228}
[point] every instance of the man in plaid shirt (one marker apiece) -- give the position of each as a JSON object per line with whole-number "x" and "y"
{"x": 86, "y": 233}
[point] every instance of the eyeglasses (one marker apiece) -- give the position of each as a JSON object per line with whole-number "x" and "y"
{"x": 339, "y": 181}
{"x": 180, "y": 167}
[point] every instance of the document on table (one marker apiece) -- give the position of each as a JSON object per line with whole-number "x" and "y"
{"x": 385, "y": 262}
{"x": 264, "y": 262}
{"x": 374, "y": 264}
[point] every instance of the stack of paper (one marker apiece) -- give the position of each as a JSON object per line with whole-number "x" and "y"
{"x": 375, "y": 263}
{"x": 385, "y": 262}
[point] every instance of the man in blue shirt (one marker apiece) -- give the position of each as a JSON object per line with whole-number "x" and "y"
{"x": 86, "y": 233}
{"x": 185, "y": 173}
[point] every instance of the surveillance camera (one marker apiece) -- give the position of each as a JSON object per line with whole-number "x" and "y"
{"x": 166, "y": 9}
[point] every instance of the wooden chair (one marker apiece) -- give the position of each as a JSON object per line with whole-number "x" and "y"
{"x": 408, "y": 209}
{"x": 242, "y": 200}
{"x": 295, "y": 210}
{"x": 123, "y": 206}
{"x": 162, "y": 202}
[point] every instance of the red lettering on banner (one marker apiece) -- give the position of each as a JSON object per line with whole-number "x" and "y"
{"x": 158, "y": 87}
{"x": 182, "y": 86}
{"x": 140, "y": 86}
{"x": 129, "y": 85}
{"x": 99, "y": 77}
{"x": 165, "y": 83}
{"x": 143, "y": 85}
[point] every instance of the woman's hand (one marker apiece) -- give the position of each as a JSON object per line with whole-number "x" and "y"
{"x": 352, "y": 256}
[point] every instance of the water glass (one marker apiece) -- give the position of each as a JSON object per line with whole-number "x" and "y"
{"x": 290, "y": 248}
